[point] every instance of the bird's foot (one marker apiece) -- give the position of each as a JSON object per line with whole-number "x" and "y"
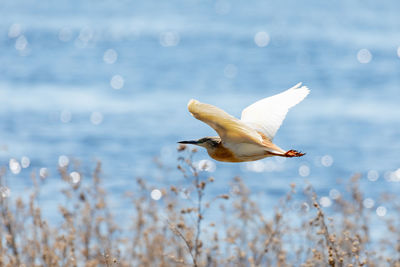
{"x": 293, "y": 153}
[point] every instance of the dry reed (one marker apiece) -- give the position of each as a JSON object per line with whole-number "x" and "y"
{"x": 173, "y": 232}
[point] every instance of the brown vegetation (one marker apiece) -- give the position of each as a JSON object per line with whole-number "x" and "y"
{"x": 173, "y": 232}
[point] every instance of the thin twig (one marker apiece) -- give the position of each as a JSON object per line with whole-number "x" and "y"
{"x": 179, "y": 233}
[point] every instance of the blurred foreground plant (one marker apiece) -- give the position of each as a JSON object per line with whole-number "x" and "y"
{"x": 190, "y": 226}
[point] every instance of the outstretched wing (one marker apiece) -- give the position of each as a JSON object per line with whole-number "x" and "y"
{"x": 267, "y": 115}
{"x": 229, "y": 128}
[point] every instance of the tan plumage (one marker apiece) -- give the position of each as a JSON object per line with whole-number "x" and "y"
{"x": 251, "y": 137}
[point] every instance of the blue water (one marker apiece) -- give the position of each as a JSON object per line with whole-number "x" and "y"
{"x": 55, "y": 75}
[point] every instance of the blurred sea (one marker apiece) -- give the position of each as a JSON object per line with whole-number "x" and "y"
{"x": 109, "y": 80}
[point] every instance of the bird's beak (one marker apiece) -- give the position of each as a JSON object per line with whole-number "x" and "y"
{"x": 193, "y": 142}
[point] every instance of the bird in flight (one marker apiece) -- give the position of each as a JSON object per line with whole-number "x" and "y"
{"x": 249, "y": 138}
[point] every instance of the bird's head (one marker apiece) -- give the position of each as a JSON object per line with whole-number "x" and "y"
{"x": 206, "y": 142}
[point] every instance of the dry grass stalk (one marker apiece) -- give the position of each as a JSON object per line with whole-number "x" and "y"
{"x": 178, "y": 231}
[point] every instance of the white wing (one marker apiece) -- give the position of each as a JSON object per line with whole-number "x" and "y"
{"x": 267, "y": 115}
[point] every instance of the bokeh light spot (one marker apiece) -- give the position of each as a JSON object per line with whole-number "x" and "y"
{"x": 15, "y": 30}
{"x": 96, "y": 118}
{"x": 5, "y": 191}
{"x": 364, "y": 56}
{"x": 398, "y": 51}
{"x": 25, "y": 162}
{"x": 327, "y": 160}
{"x": 206, "y": 165}
{"x": 14, "y": 166}
{"x": 393, "y": 176}
{"x": 184, "y": 193}
{"x": 334, "y": 194}
{"x": 65, "y": 116}
{"x": 304, "y": 170}
{"x": 261, "y": 39}
{"x": 381, "y": 211}
{"x": 110, "y": 56}
{"x": 86, "y": 34}
{"x": 63, "y": 161}
{"x": 117, "y": 82}
{"x": 169, "y": 38}
{"x": 156, "y": 194}
{"x": 325, "y": 202}
{"x": 75, "y": 177}
{"x": 368, "y": 203}
{"x": 43, "y": 173}
{"x": 21, "y": 43}
{"x": 373, "y": 175}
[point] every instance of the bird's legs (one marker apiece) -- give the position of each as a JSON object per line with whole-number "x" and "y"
{"x": 288, "y": 154}
{"x": 293, "y": 153}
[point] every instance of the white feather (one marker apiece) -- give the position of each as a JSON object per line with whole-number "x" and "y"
{"x": 267, "y": 115}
